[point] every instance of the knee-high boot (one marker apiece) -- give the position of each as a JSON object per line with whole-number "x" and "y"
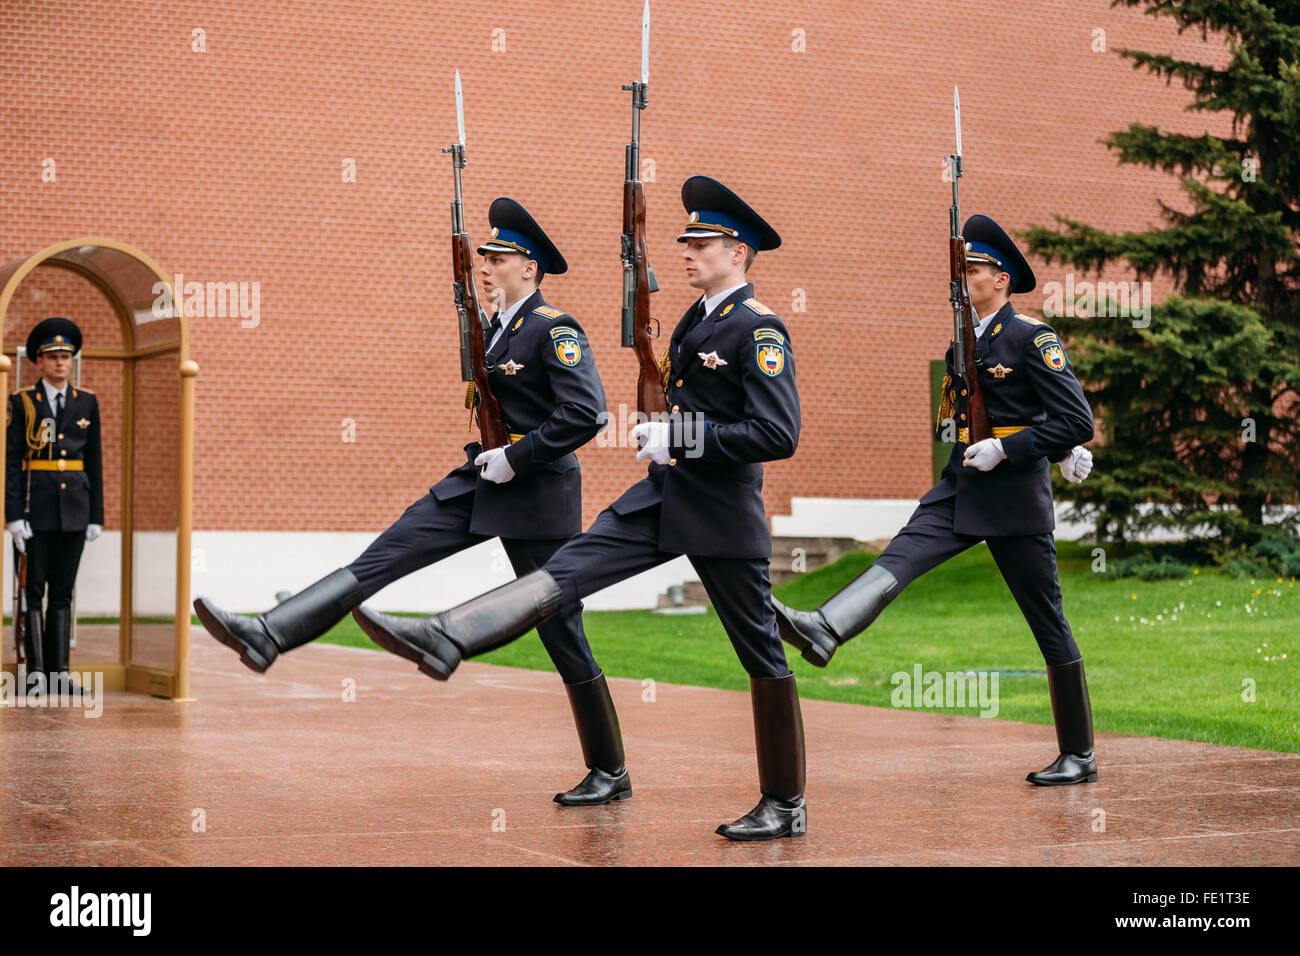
{"x": 301, "y": 619}
{"x": 602, "y": 746}
{"x": 1072, "y": 712}
{"x": 817, "y": 634}
{"x": 34, "y": 647}
{"x": 778, "y": 738}
{"x": 439, "y": 643}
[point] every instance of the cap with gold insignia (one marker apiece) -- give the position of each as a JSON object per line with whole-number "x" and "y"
{"x": 53, "y": 335}
{"x": 714, "y": 210}
{"x": 514, "y": 230}
{"x": 987, "y": 242}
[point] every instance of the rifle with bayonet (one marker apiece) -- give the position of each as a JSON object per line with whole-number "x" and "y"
{"x": 638, "y": 277}
{"x": 20, "y": 608}
{"x": 473, "y": 320}
{"x": 37, "y": 434}
{"x": 963, "y": 313}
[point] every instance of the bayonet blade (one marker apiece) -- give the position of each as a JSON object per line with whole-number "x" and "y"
{"x": 956, "y": 114}
{"x": 460, "y": 109}
{"x": 645, "y": 43}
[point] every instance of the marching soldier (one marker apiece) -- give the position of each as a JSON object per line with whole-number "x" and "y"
{"x": 731, "y": 385}
{"x": 997, "y": 490}
{"x": 529, "y": 493}
{"x": 54, "y": 492}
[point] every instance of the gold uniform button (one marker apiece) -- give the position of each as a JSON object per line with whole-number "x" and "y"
{"x": 963, "y": 418}
{"x": 62, "y": 452}
{"x": 60, "y": 436}
{"x": 676, "y": 409}
{"x": 63, "y": 484}
{"x": 62, "y": 465}
{"x": 963, "y": 393}
{"x": 672, "y": 461}
{"x": 679, "y": 383}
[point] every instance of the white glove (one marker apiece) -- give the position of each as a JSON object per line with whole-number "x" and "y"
{"x": 21, "y": 531}
{"x": 652, "y": 438}
{"x": 496, "y": 467}
{"x": 93, "y": 531}
{"x": 1077, "y": 464}
{"x": 986, "y": 455}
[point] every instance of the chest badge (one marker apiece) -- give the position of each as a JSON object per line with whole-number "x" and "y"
{"x": 1000, "y": 371}
{"x": 511, "y": 367}
{"x": 711, "y": 359}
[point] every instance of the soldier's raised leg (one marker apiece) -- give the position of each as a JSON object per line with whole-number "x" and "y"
{"x": 614, "y": 548}
{"x": 925, "y": 542}
{"x": 427, "y": 531}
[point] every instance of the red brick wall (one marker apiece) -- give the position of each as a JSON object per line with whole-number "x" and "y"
{"x": 226, "y": 166}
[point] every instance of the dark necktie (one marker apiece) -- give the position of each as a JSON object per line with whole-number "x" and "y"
{"x": 698, "y": 317}
{"x": 58, "y": 412}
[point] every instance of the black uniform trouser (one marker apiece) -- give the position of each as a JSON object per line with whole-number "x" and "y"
{"x": 617, "y": 546}
{"x": 430, "y": 530}
{"x": 53, "y": 558}
{"x": 1027, "y": 563}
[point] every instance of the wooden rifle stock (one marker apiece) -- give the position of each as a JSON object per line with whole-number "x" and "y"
{"x": 491, "y": 426}
{"x": 977, "y": 416}
{"x": 650, "y": 397}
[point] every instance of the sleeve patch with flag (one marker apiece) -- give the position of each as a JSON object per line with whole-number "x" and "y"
{"x": 1049, "y": 347}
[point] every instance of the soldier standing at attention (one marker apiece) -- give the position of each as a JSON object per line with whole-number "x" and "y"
{"x": 529, "y": 494}
{"x": 998, "y": 490}
{"x": 54, "y": 492}
{"x": 731, "y": 389}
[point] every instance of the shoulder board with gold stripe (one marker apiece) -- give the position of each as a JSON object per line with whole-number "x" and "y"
{"x": 769, "y": 335}
{"x": 1030, "y": 319}
{"x": 547, "y": 311}
{"x": 564, "y": 331}
{"x": 759, "y": 307}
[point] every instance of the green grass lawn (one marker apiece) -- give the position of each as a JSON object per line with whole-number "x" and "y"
{"x": 1164, "y": 658}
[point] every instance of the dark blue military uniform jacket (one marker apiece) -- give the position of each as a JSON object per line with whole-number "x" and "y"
{"x": 731, "y": 388}
{"x": 544, "y": 375}
{"x": 1027, "y": 380}
{"x": 60, "y": 500}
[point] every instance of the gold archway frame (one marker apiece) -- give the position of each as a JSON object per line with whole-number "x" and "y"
{"x": 127, "y": 277}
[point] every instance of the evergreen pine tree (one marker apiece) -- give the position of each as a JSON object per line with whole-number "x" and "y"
{"x": 1200, "y": 407}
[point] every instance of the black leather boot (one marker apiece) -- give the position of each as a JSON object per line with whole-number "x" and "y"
{"x": 481, "y": 624}
{"x": 1072, "y": 711}
{"x": 778, "y": 736}
{"x": 58, "y": 621}
{"x": 602, "y": 746}
{"x": 817, "y": 634}
{"x": 299, "y": 620}
{"x": 34, "y": 648}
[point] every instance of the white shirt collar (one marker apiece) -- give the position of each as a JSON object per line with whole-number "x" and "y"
{"x": 506, "y": 316}
{"x": 984, "y": 322}
{"x": 711, "y": 302}
{"x": 51, "y": 391}
{"x": 512, "y": 310}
